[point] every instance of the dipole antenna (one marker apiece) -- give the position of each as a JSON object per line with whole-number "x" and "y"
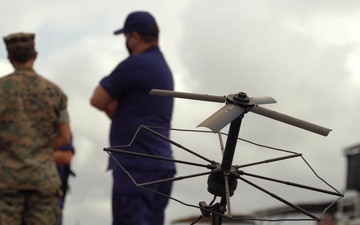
{"x": 223, "y": 177}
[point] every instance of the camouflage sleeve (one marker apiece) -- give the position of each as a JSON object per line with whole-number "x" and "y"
{"x": 63, "y": 113}
{"x": 63, "y": 100}
{"x": 63, "y": 116}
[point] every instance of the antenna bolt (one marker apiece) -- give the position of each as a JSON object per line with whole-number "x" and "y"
{"x": 242, "y": 97}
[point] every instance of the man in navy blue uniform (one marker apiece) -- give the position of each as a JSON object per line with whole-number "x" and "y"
{"x": 124, "y": 96}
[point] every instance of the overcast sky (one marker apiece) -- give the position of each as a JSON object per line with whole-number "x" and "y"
{"x": 305, "y": 54}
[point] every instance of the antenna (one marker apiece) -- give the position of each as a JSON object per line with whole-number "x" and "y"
{"x": 223, "y": 177}
{"x": 239, "y": 104}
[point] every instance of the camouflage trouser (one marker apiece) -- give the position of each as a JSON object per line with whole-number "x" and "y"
{"x": 35, "y": 207}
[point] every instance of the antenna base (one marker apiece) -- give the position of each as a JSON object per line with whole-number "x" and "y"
{"x": 216, "y": 184}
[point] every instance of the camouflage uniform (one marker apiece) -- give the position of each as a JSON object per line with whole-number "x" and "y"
{"x": 30, "y": 108}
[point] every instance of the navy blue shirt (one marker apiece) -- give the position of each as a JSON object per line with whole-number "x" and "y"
{"x": 130, "y": 83}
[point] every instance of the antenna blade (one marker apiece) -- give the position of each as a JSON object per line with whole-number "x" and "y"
{"x": 176, "y": 94}
{"x": 263, "y": 100}
{"x": 290, "y": 120}
{"x": 222, "y": 117}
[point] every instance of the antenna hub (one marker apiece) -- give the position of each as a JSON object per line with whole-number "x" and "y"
{"x": 241, "y": 96}
{"x": 216, "y": 184}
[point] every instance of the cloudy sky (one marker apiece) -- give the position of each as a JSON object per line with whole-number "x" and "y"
{"x": 305, "y": 54}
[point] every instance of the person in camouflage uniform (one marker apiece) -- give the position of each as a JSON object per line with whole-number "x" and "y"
{"x": 33, "y": 121}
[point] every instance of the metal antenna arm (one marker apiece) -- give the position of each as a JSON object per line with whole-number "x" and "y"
{"x": 290, "y": 120}
{"x": 174, "y": 179}
{"x": 110, "y": 149}
{"x": 176, "y": 144}
{"x": 291, "y": 183}
{"x": 268, "y": 161}
{"x": 176, "y": 94}
{"x": 280, "y": 199}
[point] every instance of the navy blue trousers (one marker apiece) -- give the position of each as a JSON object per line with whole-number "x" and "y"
{"x": 132, "y": 205}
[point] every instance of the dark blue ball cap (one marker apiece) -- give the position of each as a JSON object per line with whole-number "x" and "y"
{"x": 141, "y": 22}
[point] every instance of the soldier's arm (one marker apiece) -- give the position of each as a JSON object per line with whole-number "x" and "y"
{"x": 62, "y": 136}
{"x": 63, "y": 157}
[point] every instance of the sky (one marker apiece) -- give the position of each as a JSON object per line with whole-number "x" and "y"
{"x": 305, "y": 54}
